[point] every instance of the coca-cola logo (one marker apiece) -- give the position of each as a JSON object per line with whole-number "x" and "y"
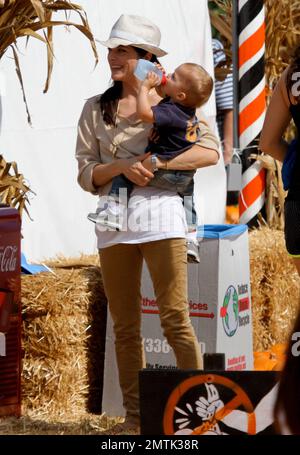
{"x": 8, "y": 258}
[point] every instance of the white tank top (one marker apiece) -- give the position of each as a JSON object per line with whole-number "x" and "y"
{"x": 153, "y": 214}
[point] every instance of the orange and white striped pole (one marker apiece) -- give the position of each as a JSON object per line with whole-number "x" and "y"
{"x": 250, "y": 93}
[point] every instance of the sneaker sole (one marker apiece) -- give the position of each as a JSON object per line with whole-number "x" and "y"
{"x": 106, "y": 223}
{"x": 110, "y": 224}
{"x": 192, "y": 258}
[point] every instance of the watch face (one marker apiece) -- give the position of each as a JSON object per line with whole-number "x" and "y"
{"x": 153, "y": 162}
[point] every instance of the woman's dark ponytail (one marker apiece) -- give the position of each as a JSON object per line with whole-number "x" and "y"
{"x": 109, "y": 102}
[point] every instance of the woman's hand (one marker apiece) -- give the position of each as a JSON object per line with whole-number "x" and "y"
{"x": 134, "y": 170}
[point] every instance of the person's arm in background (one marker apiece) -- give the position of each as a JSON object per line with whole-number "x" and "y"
{"x": 228, "y": 135}
{"x": 277, "y": 119}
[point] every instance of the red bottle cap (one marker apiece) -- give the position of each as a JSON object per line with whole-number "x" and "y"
{"x": 163, "y": 79}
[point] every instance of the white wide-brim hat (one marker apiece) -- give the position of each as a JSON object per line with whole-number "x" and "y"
{"x": 137, "y": 31}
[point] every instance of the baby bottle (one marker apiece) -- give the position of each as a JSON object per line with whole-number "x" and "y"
{"x": 144, "y": 66}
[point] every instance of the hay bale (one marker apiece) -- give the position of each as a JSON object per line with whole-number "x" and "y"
{"x": 275, "y": 287}
{"x": 258, "y": 295}
{"x": 284, "y": 296}
{"x": 64, "y": 315}
{"x": 87, "y": 425}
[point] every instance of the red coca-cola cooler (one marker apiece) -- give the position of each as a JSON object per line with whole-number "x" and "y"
{"x": 10, "y": 312}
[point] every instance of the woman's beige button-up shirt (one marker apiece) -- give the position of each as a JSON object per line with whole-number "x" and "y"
{"x": 98, "y": 143}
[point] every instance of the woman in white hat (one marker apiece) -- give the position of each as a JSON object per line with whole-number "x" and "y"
{"x": 111, "y": 141}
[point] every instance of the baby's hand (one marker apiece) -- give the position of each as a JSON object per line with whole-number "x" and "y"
{"x": 159, "y": 66}
{"x": 152, "y": 80}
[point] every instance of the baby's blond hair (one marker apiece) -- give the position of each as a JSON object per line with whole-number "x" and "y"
{"x": 198, "y": 84}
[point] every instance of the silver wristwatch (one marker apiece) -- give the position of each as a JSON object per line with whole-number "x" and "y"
{"x": 154, "y": 163}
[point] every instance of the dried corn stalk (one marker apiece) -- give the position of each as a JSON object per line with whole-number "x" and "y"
{"x": 282, "y": 36}
{"x": 275, "y": 194}
{"x": 13, "y": 190}
{"x": 19, "y": 18}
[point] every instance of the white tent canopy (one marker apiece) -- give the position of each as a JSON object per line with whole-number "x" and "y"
{"x": 45, "y": 151}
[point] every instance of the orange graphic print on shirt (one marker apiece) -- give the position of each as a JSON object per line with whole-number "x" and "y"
{"x": 193, "y": 130}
